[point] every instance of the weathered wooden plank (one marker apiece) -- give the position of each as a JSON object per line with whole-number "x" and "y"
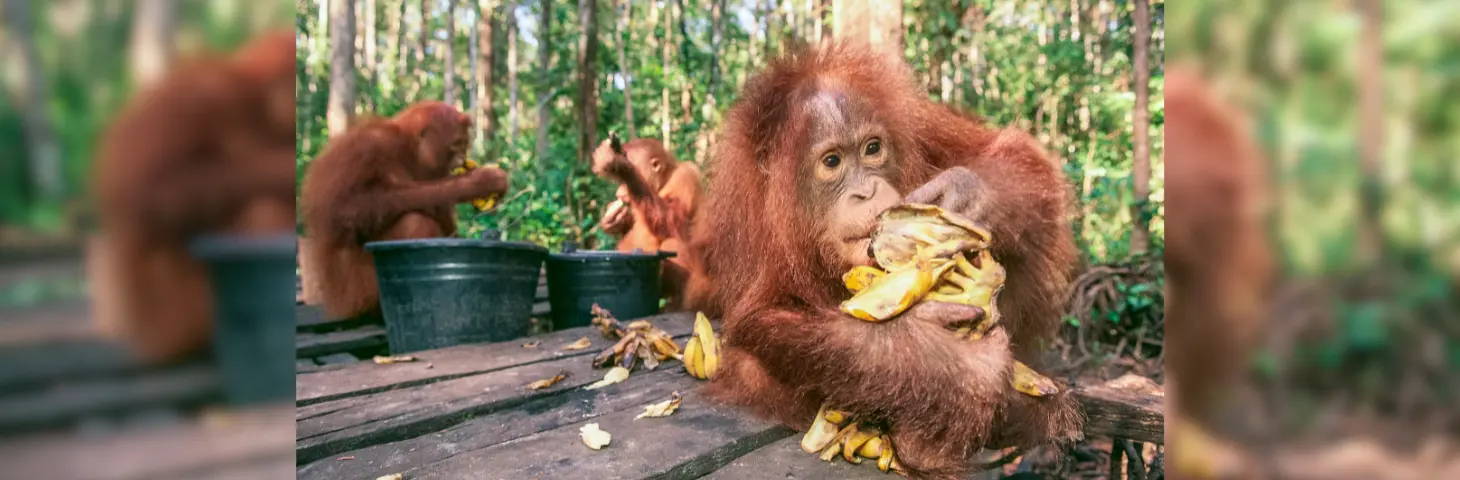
{"x": 785, "y": 459}
{"x": 356, "y": 422}
{"x": 253, "y": 441}
{"x": 694, "y": 441}
{"x": 337, "y": 358}
{"x": 309, "y": 345}
{"x": 29, "y": 366}
{"x": 1127, "y": 407}
{"x": 535, "y": 416}
{"x": 462, "y": 360}
{"x": 311, "y": 318}
{"x": 66, "y": 401}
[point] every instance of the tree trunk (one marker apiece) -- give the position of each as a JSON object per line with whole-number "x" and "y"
{"x": 153, "y": 25}
{"x": 370, "y": 59}
{"x": 1371, "y": 134}
{"x": 717, "y": 9}
{"x": 342, "y": 66}
{"x": 874, "y": 22}
{"x": 625, "y": 34}
{"x": 666, "y": 46}
{"x": 486, "y": 72}
{"x": 587, "y": 80}
{"x": 422, "y": 39}
{"x": 1140, "y": 234}
{"x": 512, "y": 108}
{"x": 40, "y": 137}
{"x": 398, "y": 43}
{"x": 823, "y": 24}
{"x": 773, "y": 29}
{"x": 545, "y": 91}
{"x": 448, "y": 52}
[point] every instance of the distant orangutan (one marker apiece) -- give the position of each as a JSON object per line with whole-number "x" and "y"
{"x": 385, "y": 180}
{"x": 1219, "y": 272}
{"x": 656, "y": 203}
{"x": 816, "y": 147}
{"x": 208, "y": 148}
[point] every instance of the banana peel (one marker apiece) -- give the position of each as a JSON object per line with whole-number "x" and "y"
{"x": 481, "y": 204}
{"x": 702, "y": 352}
{"x": 834, "y": 434}
{"x": 894, "y": 292}
{"x": 908, "y": 233}
{"x": 639, "y": 342}
{"x": 926, "y": 250}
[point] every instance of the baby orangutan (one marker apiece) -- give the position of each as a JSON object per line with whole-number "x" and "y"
{"x": 656, "y": 202}
{"x": 816, "y": 149}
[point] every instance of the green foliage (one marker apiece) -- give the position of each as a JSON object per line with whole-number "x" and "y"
{"x": 555, "y": 199}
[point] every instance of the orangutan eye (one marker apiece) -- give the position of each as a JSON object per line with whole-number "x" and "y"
{"x": 872, "y": 148}
{"x": 831, "y": 161}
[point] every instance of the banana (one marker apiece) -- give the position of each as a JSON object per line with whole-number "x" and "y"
{"x": 855, "y": 441}
{"x": 836, "y": 446}
{"x": 861, "y": 277}
{"x": 708, "y": 344}
{"x": 822, "y": 432}
{"x": 1030, "y": 382}
{"x": 693, "y": 357}
{"x": 872, "y": 449}
{"x": 481, "y": 204}
{"x": 884, "y": 462}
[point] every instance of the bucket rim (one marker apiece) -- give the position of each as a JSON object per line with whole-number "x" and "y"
{"x": 243, "y": 245}
{"x": 610, "y": 255}
{"x": 420, "y": 243}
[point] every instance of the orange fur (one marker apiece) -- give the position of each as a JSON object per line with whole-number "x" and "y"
{"x": 778, "y": 284}
{"x": 385, "y": 180}
{"x": 204, "y": 150}
{"x": 662, "y": 194}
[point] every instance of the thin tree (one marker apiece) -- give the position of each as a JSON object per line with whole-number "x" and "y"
{"x": 485, "y": 70}
{"x": 512, "y": 107}
{"x": 717, "y": 11}
{"x": 666, "y": 46}
{"x": 153, "y": 25}
{"x": 448, "y": 52}
{"x": 623, "y": 67}
{"x": 398, "y": 42}
{"x": 587, "y": 80}
{"x": 370, "y": 59}
{"x": 875, "y": 22}
{"x": 40, "y": 136}
{"x": 422, "y": 40}
{"x": 544, "y": 75}
{"x": 1140, "y": 240}
{"x": 1371, "y": 135}
{"x": 342, "y": 66}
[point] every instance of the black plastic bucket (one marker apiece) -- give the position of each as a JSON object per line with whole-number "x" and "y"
{"x": 626, "y": 284}
{"x": 441, "y": 292}
{"x": 253, "y": 335}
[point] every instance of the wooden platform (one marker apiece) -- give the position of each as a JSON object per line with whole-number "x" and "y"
{"x": 323, "y": 342}
{"x": 464, "y": 411}
{"x": 77, "y": 405}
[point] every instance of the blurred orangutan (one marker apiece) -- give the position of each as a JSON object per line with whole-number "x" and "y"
{"x": 385, "y": 180}
{"x": 1218, "y": 268}
{"x": 656, "y": 203}
{"x": 208, "y": 148}
{"x": 817, "y": 146}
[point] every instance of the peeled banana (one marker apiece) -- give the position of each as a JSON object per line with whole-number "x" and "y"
{"x": 481, "y": 204}
{"x": 702, "y": 351}
{"x": 926, "y": 253}
{"x": 834, "y": 433}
